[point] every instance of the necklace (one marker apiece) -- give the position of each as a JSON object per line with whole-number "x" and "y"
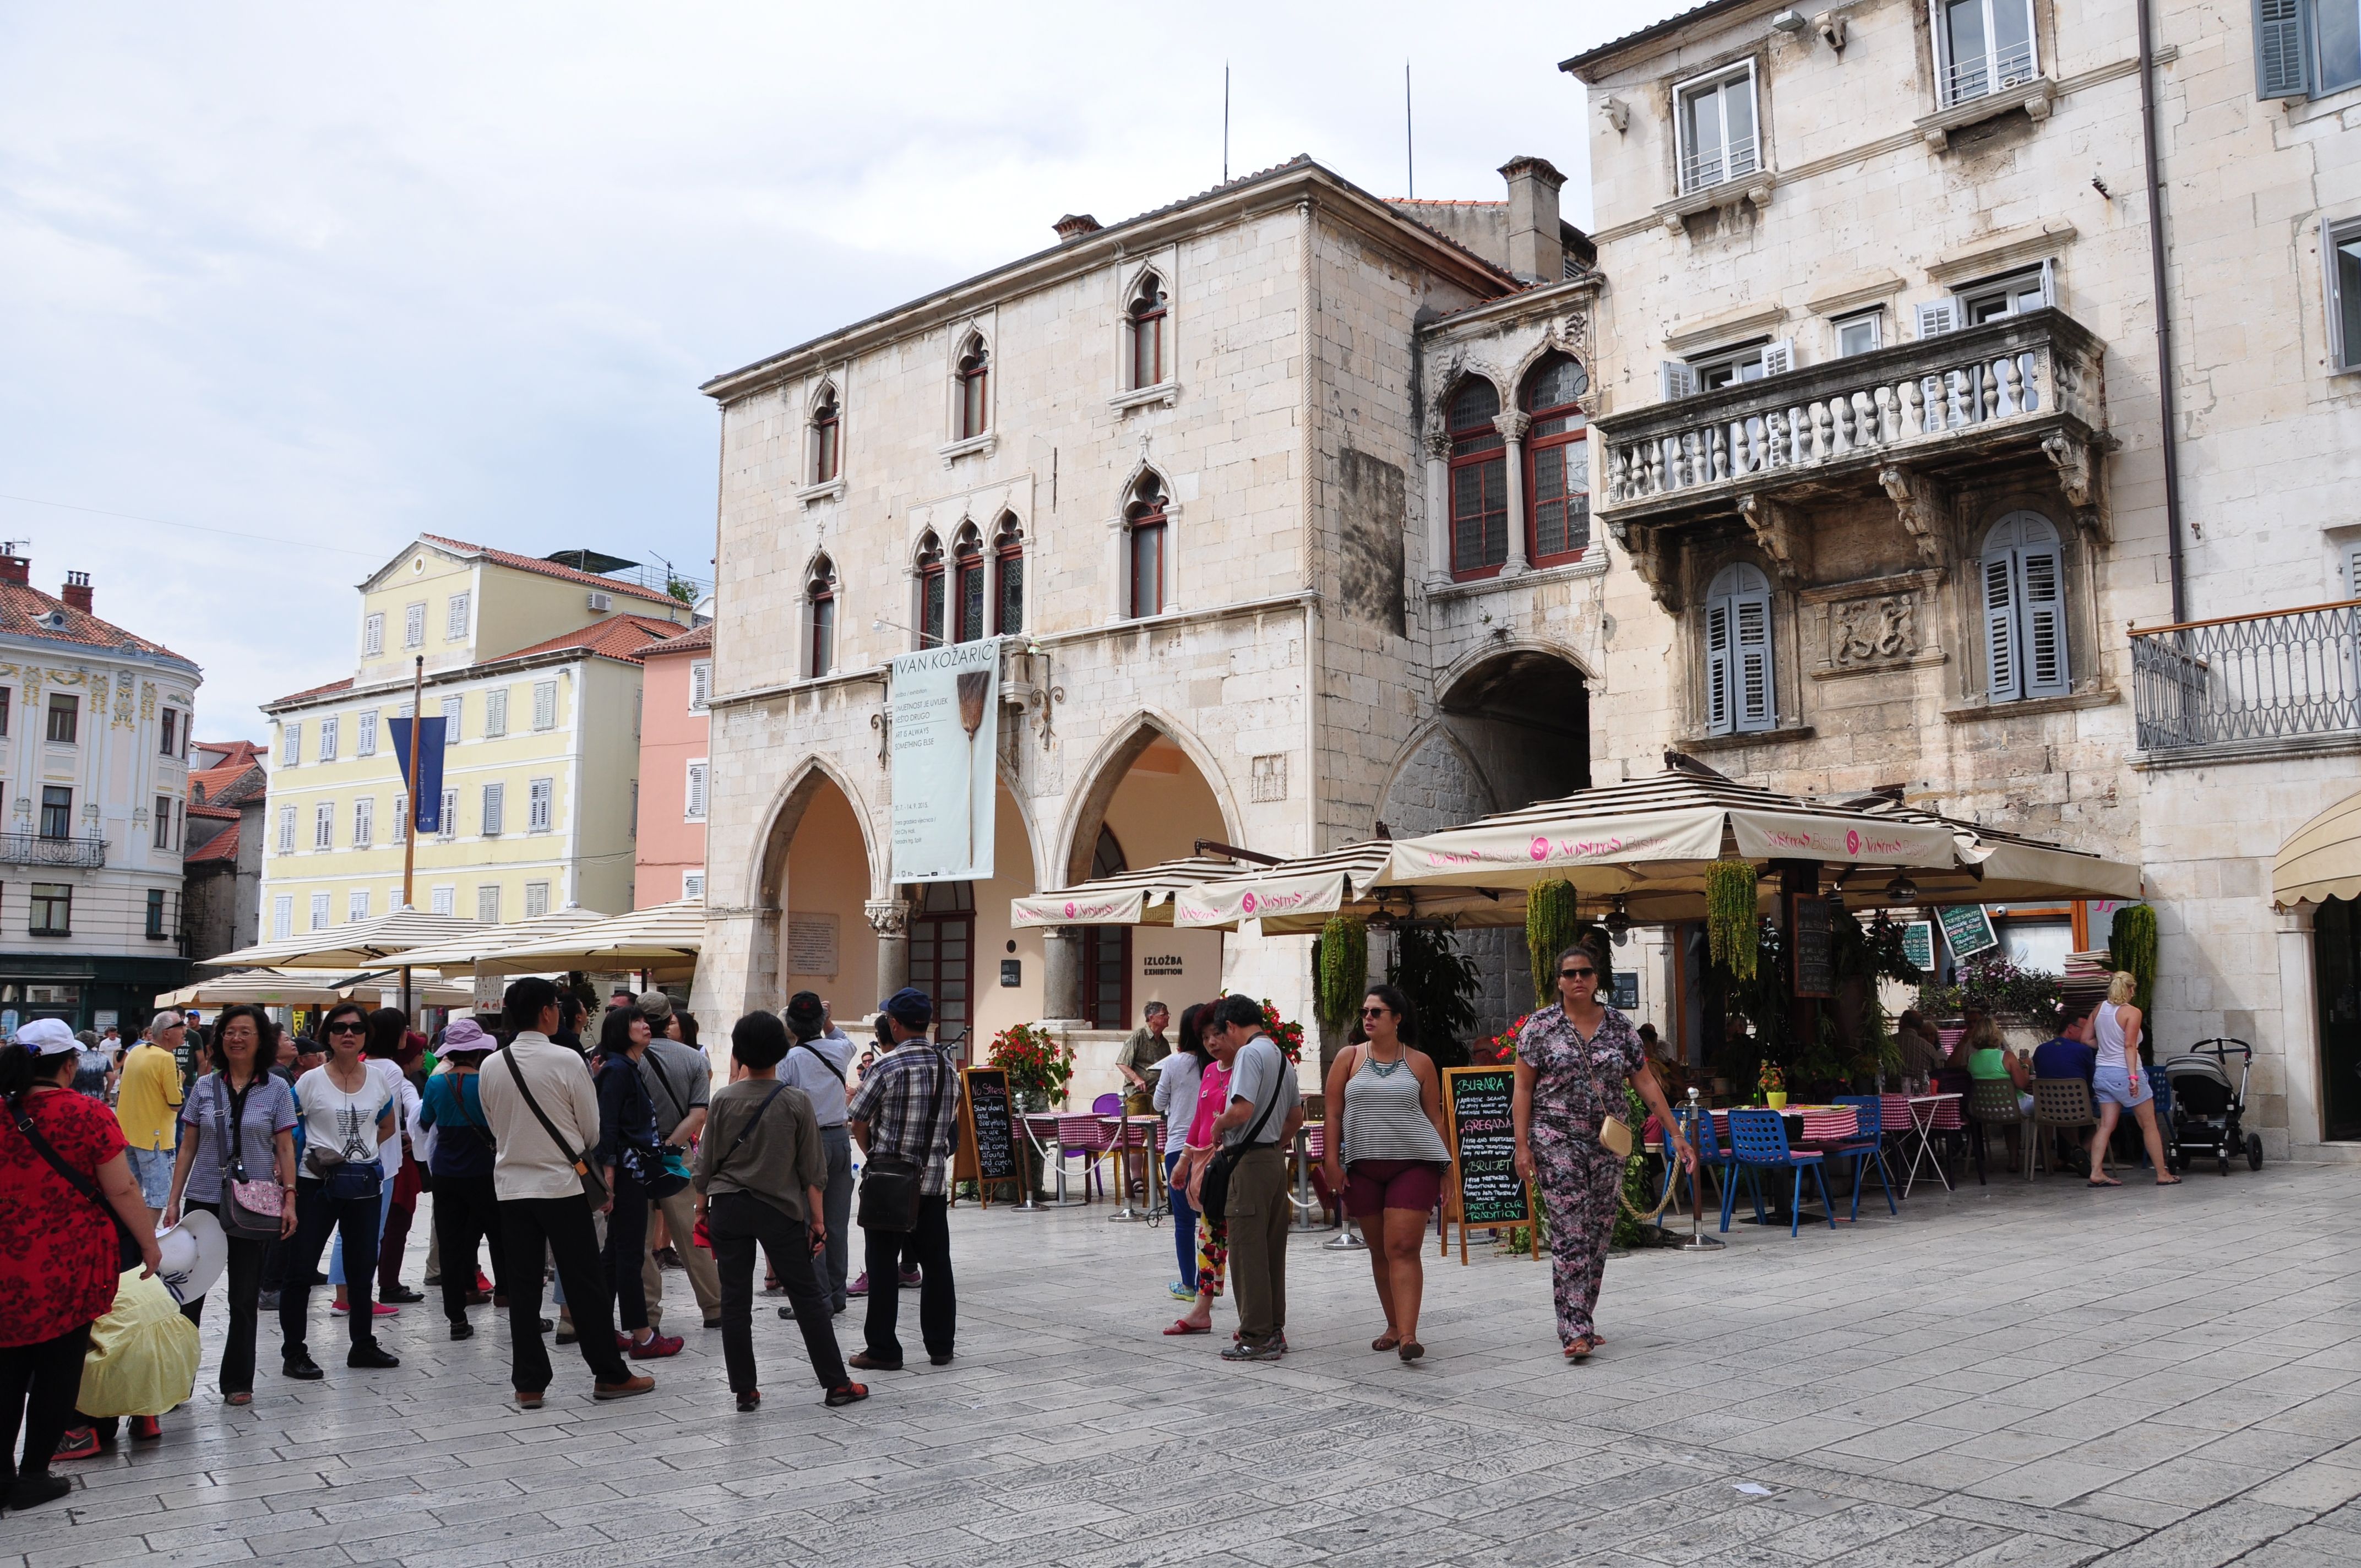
{"x": 1384, "y": 1069}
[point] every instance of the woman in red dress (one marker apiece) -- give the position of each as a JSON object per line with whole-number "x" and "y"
{"x": 60, "y": 1160}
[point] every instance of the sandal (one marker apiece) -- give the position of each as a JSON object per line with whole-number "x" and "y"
{"x": 1581, "y": 1348}
{"x": 1411, "y": 1351}
{"x": 238, "y": 1398}
{"x": 2102, "y": 1181}
{"x": 1386, "y": 1341}
{"x": 2163, "y": 1181}
{"x": 847, "y": 1394}
{"x": 1183, "y": 1326}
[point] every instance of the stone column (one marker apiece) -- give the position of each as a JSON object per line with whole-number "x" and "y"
{"x": 1061, "y": 975}
{"x": 890, "y": 918}
{"x": 1513, "y": 426}
{"x": 2299, "y": 1034}
{"x": 1438, "y": 507}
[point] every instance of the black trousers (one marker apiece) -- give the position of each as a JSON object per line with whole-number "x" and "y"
{"x": 246, "y": 1260}
{"x": 466, "y": 1211}
{"x": 930, "y": 1247}
{"x": 627, "y": 1240}
{"x": 738, "y": 1222}
{"x": 561, "y": 1226}
{"x": 39, "y": 1384}
{"x": 318, "y": 1217}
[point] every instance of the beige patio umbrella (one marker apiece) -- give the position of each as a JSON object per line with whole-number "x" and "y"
{"x": 1301, "y": 895}
{"x": 483, "y": 950}
{"x": 2321, "y": 860}
{"x": 1143, "y": 897}
{"x": 269, "y": 988}
{"x": 1998, "y": 867}
{"x": 665, "y": 936}
{"x": 357, "y": 944}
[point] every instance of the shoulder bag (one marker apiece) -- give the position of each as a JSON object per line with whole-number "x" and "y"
{"x": 676, "y": 1163}
{"x": 250, "y": 1209}
{"x": 347, "y": 1180}
{"x": 594, "y": 1184}
{"x": 1214, "y": 1190}
{"x": 127, "y": 1253}
{"x": 890, "y": 1182}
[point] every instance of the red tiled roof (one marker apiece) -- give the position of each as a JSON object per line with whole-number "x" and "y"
{"x": 687, "y": 643}
{"x": 25, "y": 610}
{"x": 215, "y": 813}
{"x": 343, "y": 686}
{"x": 617, "y": 637}
{"x": 550, "y": 569}
{"x": 222, "y": 846}
{"x": 234, "y": 778}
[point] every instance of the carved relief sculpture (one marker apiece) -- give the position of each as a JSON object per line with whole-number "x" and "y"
{"x": 1879, "y": 631}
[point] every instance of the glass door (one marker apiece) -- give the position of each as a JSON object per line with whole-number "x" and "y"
{"x": 2336, "y": 966}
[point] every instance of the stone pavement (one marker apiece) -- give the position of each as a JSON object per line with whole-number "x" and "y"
{"x": 2011, "y": 1375}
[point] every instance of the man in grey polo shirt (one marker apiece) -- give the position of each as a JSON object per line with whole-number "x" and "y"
{"x": 817, "y": 1064}
{"x": 679, "y": 1084}
{"x": 1260, "y": 1077}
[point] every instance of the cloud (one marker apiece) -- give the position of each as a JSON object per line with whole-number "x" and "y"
{"x": 337, "y": 276}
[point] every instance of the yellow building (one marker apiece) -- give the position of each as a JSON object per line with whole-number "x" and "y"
{"x": 534, "y": 666}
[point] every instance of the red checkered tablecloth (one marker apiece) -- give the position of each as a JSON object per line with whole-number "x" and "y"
{"x": 1822, "y": 1123}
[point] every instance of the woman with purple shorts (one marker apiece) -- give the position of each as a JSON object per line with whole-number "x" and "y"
{"x": 2119, "y": 1085}
{"x": 1390, "y": 1160}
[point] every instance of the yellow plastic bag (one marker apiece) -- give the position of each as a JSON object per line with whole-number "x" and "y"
{"x": 143, "y": 1353}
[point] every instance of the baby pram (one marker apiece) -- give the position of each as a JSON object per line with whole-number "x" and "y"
{"x": 2207, "y": 1108}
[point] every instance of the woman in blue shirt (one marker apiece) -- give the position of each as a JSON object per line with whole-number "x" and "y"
{"x": 462, "y": 1164}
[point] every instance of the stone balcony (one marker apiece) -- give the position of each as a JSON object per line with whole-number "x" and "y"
{"x": 1910, "y": 419}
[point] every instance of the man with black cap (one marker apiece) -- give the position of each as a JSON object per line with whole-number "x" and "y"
{"x": 817, "y": 1065}
{"x": 907, "y": 1106}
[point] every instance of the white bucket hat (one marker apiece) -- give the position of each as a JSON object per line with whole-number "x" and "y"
{"x": 193, "y": 1255}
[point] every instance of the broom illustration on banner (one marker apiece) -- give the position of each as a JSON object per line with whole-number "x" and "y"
{"x": 972, "y": 685}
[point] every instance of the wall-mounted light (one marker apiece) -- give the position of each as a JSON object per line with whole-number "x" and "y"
{"x": 1789, "y": 22}
{"x": 1617, "y": 112}
{"x": 1901, "y": 890}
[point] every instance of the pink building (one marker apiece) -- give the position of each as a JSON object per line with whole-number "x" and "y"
{"x": 670, "y": 860}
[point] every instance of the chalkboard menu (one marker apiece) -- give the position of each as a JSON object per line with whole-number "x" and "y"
{"x": 1967, "y": 928}
{"x": 1812, "y": 944}
{"x": 991, "y": 1132}
{"x": 1918, "y": 946}
{"x": 1476, "y": 1104}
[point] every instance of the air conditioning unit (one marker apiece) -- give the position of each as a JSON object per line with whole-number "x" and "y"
{"x": 602, "y": 603}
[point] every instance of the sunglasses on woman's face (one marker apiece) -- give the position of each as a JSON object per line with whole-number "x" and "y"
{"x": 1376, "y": 1012}
{"x": 346, "y": 1026}
{"x": 1577, "y": 974}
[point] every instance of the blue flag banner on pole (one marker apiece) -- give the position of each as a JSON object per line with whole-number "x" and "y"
{"x": 426, "y": 807}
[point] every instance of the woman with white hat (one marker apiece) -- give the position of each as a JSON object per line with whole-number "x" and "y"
{"x": 466, "y": 1207}
{"x": 70, "y": 1209}
{"x": 237, "y": 1131}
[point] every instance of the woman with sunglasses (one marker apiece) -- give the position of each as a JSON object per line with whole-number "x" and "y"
{"x": 1390, "y": 1161}
{"x": 237, "y": 1124}
{"x": 348, "y": 1112}
{"x": 1573, "y": 1061}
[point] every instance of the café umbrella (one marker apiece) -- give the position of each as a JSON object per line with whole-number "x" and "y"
{"x": 1143, "y": 897}
{"x": 484, "y": 950}
{"x": 662, "y": 936}
{"x": 1301, "y": 895}
{"x": 357, "y": 944}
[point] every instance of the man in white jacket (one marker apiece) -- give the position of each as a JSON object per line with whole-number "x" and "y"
{"x": 544, "y": 1113}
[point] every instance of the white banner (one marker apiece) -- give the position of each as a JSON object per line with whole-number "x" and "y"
{"x": 946, "y": 705}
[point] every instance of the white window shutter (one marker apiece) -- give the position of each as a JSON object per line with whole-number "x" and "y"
{"x": 1679, "y": 380}
{"x": 2000, "y": 623}
{"x": 2043, "y": 596}
{"x": 2049, "y": 282}
{"x": 1717, "y": 711}
{"x": 697, "y": 789}
{"x": 493, "y": 798}
{"x": 700, "y": 684}
{"x": 1755, "y": 707}
{"x": 1779, "y": 357}
{"x": 1937, "y": 317}
{"x": 2283, "y": 50}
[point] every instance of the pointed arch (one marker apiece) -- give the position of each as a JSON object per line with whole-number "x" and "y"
{"x": 824, "y": 434}
{"x": 1146, "y": 321}
{"x": 1146, "y": 544}
{"x": 929, "y": 598}
{"x": 972, "y": 386}
{"x": 819, "y": 616}
{"x": 1478, "y": 477}
{"x": 1109, "y": 762}
{"x": 767, "y": 873}
{"x": 1009, "y": 576}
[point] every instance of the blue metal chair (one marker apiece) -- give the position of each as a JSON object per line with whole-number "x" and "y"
{"x": 1866, "y": 1147}
{"x": 1706, "y": 1138}
{"x": 1758, "y": 1139}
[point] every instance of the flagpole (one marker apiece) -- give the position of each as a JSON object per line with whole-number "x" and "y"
{"x": 410, "y": 804}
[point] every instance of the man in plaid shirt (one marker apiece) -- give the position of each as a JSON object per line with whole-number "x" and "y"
{"x": 888, "y": 1116}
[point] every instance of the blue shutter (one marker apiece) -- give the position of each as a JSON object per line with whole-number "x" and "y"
{"x": 1756, "y": 705}
{"x": 2000, "y": 621}
{"x": 2283, "y": 50}
{"x": 1718, "y": 705}
{"x": 2041, "y": 596}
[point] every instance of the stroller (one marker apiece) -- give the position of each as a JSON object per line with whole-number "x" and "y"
{"x": 2207, "y": 1108}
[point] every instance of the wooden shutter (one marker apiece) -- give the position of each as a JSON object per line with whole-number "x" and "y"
{"x": 700, "y": 683}
{"x": 1779, "y": 357}
{"x": 1937, "y": 317}
{"x": 2042, "y": 592}
{"x": 1756, "y": 706}
{"x": 1678, "y": 380}
{"x": 1717, "y": 711}
{"x": 2000, "y": 615}
{"x": 2282, "y": 51}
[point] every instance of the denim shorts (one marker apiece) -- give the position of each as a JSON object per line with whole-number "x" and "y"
{"x": 2113, "y": 1086}
{"x": 153, "y": 1168}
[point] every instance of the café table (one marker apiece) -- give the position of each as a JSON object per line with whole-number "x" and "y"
{"x": 1124, "y": 1135}
{"x": 1046, "y": 1129}
{"x": 1928, "y": 1114}
{"x": 1808, "y": 1127}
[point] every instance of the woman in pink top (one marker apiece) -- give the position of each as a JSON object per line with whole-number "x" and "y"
{"x": 1188, "y": 1177}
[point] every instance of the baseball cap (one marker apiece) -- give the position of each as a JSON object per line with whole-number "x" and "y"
{"x": 656, "y": 1008}
{"x": 47, "y": 1037}
{"x": 910, "y": 1007}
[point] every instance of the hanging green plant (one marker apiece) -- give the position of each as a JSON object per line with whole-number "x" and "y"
{"x": 1551, "y": 927}
{"x": 2132, "y": 948}
{"x": 1343, "y": 975}
{"x": 1730, "y": 915}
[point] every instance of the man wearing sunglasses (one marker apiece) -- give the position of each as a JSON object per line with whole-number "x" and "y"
{"x": 1573, "y": 1061}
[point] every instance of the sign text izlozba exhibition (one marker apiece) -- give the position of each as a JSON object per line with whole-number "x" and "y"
{"x": 946, "y": 734}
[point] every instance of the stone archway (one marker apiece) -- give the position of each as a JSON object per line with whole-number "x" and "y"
{"x": 812, "y": 894}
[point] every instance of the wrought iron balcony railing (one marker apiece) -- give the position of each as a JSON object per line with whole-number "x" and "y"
{"x": 2252, "y": 678}
{"x": 2001, "y": 384}
{"x": 2005, "y": 66}
{"x": 36, "y": 850}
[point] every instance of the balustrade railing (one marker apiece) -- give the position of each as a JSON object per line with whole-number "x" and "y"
{"x": 2258, "y": 678}
{"x": 39, "y": 849}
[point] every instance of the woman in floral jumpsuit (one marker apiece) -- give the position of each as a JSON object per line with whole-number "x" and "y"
{"x": 1573, "y": 1060}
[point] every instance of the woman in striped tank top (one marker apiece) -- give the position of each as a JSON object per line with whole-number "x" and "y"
{"x": 1389, "y": 1160}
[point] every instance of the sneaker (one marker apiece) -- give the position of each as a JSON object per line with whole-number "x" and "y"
{"x": 267, "y": 1301}
{"x": 377, "y": 1309}
{"x": 751, "y": 1400}
{"x": 668, "y": 1257}
{"x": 1241, "y": 1351}
{"x": 147, "y": 1428}
{"x": 433, "y": 1280}
{"x": 944, "y": 1359}
{"x": 370, "y": 1356}
{"x": 32, "y": 1491}
{"x": 1181, "y": 1292}
{"x": 623, "y": 1390}
{"x": 398, "y": 1291}
{"x": 912, "y": 1279}
{"x": 79, "y": 1443}
{"x": 564, "y": 1330}
{"x": 656, "y": 1347}
{"x": 301, "y": 1368}
{"x": 847, "y": 1394}
{"x": 859, "y": 1286}
{"x": 462, "y": 1329}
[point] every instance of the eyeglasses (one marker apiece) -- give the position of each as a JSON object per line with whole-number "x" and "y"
{"x": 1577, "y": 974}
{"x": 1375, "y": 1012}
{"x": 346, "y": 1027}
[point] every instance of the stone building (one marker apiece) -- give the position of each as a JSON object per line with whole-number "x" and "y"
{"x": 669, "y": 847}
{"x": 221, "y": 896}
{"x": 1881, "y": 431}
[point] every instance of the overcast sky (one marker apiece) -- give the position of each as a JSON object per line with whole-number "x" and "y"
{"x": 282, "y": 286}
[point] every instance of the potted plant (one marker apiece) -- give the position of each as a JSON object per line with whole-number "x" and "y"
{"x": 1037, "y": 1063}
{"x": 1774, "y": 1086}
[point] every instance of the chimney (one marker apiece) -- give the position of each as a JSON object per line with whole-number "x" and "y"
{"x": 14, "y": 568}
{"x": 77, "y": 591}
{"x": 1536, "y": 251}
{"x": 1074, "y": 225}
